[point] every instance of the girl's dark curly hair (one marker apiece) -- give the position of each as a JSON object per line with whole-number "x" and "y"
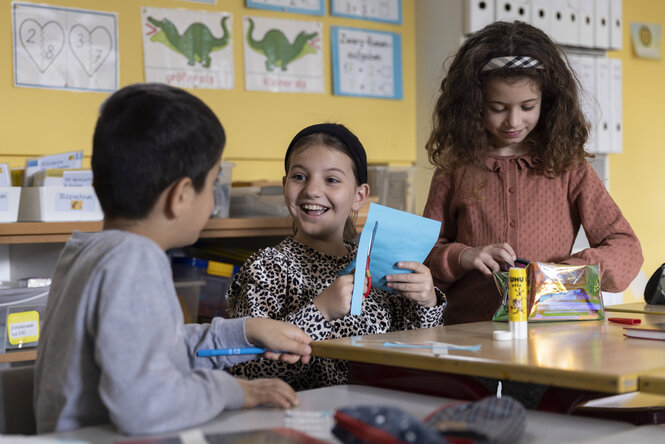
{"x": 459, "y": 136}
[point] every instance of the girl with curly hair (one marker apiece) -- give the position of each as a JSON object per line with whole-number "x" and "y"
{"x": 511, "y": 176}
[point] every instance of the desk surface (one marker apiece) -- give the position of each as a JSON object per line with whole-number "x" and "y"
{"x": 589, "y": 355}
{"x": 541, "y": 427}
{"x": 637, "y": 307}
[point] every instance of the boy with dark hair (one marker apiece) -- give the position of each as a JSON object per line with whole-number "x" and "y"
{"x": 114, "y": 347}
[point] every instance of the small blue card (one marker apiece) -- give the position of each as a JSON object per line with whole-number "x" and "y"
{"x": 400, "y": 236}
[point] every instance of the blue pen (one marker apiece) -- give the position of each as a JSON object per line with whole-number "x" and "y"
{"x": 231, "y": 351}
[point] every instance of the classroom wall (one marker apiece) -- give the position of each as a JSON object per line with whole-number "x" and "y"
{"x": 259, "y": 125}
{"x": 636, "y": 174}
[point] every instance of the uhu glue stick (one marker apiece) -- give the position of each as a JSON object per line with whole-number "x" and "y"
{"x": 518, "y": 302}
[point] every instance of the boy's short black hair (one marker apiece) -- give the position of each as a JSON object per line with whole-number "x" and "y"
{"x": 149, "y": 135}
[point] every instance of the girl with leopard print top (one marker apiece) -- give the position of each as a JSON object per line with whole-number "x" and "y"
{"x": 296, "y": 281}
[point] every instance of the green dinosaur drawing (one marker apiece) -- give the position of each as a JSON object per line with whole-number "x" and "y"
{"x": 277, "y": 49}
{"x": 196, "y": 43}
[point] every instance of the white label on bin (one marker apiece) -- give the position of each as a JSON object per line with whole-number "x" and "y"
{"x": 23, "y": 327}
{"x": 4, "y": 201}
{"x": 75, "y": 202}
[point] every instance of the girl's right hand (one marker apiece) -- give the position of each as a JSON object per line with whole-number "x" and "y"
{"x": 335, "y": 301}
{"x": 488, "y": 259}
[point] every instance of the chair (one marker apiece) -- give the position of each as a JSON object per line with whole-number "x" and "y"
{"x": 16, "y": 407}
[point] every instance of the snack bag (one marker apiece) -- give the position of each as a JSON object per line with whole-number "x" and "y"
{"x": 557, "y": 293}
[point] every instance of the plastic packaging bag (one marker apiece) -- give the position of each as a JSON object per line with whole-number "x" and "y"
{"x": 557, "y": 293}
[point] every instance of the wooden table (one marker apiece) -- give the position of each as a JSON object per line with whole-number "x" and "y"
{"x": 636, "y": 307}
{"x": 589, "y": 355}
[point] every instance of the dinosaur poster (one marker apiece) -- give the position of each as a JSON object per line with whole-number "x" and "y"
{"x": 283, "y": 55}
{"x": 64, "y": 48}
{"x": 190, "y": 49}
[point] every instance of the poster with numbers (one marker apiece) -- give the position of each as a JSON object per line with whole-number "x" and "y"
{"x": 388, "y": 11}
{"x": 312, "y": 7}
{"x": 366, "y": 63}
{"x": 64, "y": 48}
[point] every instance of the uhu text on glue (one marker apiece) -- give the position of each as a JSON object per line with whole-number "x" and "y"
{"x": 517, "y": 302}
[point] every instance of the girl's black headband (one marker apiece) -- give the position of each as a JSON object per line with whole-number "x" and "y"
{"x": 345, "y": 136}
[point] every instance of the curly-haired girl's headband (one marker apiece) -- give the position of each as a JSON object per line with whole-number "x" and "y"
{"x": 512, "y": 62}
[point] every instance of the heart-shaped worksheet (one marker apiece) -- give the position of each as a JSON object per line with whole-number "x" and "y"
{"x": 90, "y": 47}
{"x": 43, "y": 43}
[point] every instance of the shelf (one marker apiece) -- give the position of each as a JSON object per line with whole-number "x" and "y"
{"x": 18, "y": 355}
{"x": 48, "y": 232}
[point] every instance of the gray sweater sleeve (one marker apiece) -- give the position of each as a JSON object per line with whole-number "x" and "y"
{"x": 150, "y": 382}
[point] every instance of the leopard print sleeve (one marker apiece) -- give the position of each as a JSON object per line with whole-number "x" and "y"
{"x": 407, "y": 314}
{"x": 269, "y": 286}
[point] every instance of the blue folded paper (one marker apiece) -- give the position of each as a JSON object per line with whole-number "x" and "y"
{"x": 400, "y": 236}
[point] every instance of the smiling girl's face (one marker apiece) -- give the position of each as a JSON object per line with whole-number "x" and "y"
{"x": 320, "y": 191}
{"x": 512, "y": 110}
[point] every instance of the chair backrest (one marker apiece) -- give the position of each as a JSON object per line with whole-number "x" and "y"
{"x": 16, "y": 408}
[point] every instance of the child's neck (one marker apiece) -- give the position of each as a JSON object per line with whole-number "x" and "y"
{"x": 142, "y": 227}
{"x": 330, "y": 247}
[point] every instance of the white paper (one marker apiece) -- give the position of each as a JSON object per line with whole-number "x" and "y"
{"x": 283, "y": 55}
{"x": 64, "y": 48}
{"x": 189, "y": 49}
{"x": 379, "y": 10}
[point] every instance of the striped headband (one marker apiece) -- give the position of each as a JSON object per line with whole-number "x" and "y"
{"x": 512, "y": 62}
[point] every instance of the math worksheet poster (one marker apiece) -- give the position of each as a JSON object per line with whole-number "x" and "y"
{"x": 188, "y": 49}
{"x": 366, "y": 63}
{"x": 283, "y": 55}
{"x": 64, "y": 48}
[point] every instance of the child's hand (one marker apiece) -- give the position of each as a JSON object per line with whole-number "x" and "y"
{"x": 417, "y": 286}
{"x": 335, "y": 301}
{"x": 487, "y": 259}
{"x": 268, "y": 391}
{"x": 278, "y": 335}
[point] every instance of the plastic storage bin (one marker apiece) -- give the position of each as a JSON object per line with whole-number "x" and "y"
{"x": 258, "y": 202}
{"x": 223, "y": 191}
{"x": 393, "y": 185}
{"x": 189, "y": 293}
{"x": 9, "y": 203}
{"x": 14, "y": 301}
{"x": 59, "y": 204}
{"x": 217, "y": 277}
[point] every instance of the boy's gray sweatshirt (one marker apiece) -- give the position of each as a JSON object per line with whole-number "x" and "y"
{"x": 114, "y": 348}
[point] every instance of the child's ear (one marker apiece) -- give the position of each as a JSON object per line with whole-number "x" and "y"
{"x": 362, "y": 193}
{"x": 179, "y": 195}
{"x": 283, "y": 181}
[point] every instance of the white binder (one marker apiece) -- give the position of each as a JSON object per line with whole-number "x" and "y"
{"x": 477, "y": 14}
{"x": 601, "y": 24}
{"x": 617, "y": 105}
{"x": 586, "y": 21}
{"x": 616, "y": 27}
{"x": 584, "y": 67}
{"x": 541, "y": 15}
{"x": 511, "y": 10}
{"x": 604, "y": 134}
{"x": 565, "y": 22}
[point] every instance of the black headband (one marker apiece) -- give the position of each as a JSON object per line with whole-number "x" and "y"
{"x": 345, "y": 136}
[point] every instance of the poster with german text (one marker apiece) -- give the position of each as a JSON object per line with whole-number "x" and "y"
{"x": 188, "y": 49}
{"x": 366, "y": 63}
{"x": 283, "y": 55}
{"x": 388, "y": 11}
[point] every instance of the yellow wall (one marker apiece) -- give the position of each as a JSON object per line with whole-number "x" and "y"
{"x": 636, "y": 175}
{"x": 259, "y": 125}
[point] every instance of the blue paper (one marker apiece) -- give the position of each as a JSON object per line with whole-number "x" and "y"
{"x": 400, "y": 237}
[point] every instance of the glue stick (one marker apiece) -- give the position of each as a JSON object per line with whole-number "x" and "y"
{"x": 517, "y": 302}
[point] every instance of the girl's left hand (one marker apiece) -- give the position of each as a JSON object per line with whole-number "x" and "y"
{"x": 417, "y": 286}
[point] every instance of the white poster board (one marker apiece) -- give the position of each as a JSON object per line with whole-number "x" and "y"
{"x": 366, "y": 63}
{"x": 64, "y": 48}
{"x": 188, "y": 49}
{"x": 283, "y": 55}
{"x": 312, "y": 7}
{"x": 388, "y": 11}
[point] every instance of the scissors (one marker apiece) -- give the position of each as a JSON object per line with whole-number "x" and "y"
{"x": 369, "y": 251}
